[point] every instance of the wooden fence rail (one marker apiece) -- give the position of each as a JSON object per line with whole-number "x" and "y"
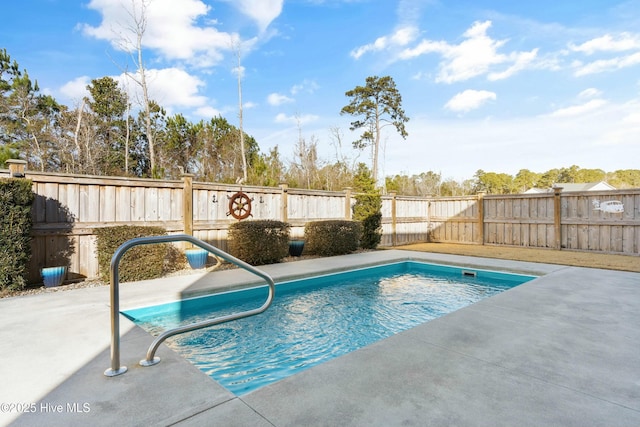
{"x": 68, "y": 208}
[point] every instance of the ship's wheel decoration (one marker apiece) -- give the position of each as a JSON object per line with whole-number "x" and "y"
{"x": 239, "y": 206}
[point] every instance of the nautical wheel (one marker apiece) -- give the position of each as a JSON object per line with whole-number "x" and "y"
{"x": 239, "y": 205}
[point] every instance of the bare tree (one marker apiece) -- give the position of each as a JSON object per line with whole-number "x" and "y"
{"x": 239, "y": 71}
{"x": 137, "y": 28}
{"x": 341, "y": 170}
{"x": 79, "y": 125}
{"x": 306, "y": 165}
{"x": 336, "y": 135}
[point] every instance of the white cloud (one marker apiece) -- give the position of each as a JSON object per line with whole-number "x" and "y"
{"x": 623, "y": 42}
{"x": 296, "y": 119}
{"x": 624, "y": 130}
{"x": 263, "y": 12}
{"x": 521, "y": 61}
{"x": 404, "y": 36}
{"x": 410, "y": 11}
{"x": 589, "y": 93}
{"x": 603, "y": 65}
{"x": 76, "y": 89}
{"x": 579, "y": 110}
{"x": 608, "y": 43}
{"x": 173, "y": 88}
{"x": 207, "y": 112}
{"x": 400, "y": 37}
{"x": 171, "y": 29}
{"x": 469, "y": 100}
{"x": 632, "y": 118}
{"x": 308, "y": 86}
{"x": 176, "y": 87}
{"x": 237, "y": 70}
{"x": 170, "y": 87}
{"x": 472, "y": 57}
{"x": 419, "y": 76}
{"x": 276, "y": 99}
{"x": 424, "y": 47}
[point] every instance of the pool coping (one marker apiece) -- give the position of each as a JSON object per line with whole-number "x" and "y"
{"x": 56, "y": 347}
{"x": 238, "y": 279}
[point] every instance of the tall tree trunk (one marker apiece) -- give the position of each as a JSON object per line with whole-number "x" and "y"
{"x": 147, "y": 103}
{"x": 126, "y": 140}
{"x": 376, "y": 146}
{"x": 77, "y": 133}
{"x": 242, "y": 149}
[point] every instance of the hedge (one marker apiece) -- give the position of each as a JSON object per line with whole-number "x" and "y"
{"x": 332, "y": 237}
{"x": 259, "y": 242}
{"x": 16, "y": 199}
{"x": 138, "y": 263}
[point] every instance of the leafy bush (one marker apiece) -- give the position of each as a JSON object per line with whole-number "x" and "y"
{"x": 367, "y": 210}
{"x": 138, "y": 263}
{"x": 259, "y": 242}
{"x": 331, "y": 237}
{"x": 16, "y": 199}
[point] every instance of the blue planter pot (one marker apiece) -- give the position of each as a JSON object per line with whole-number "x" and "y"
{"x": 197, "y": 257}
{"x": 296, "y": 247}
{"x": 53, "y": 276}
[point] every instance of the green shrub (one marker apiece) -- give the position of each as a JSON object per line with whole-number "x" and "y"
{"x": 368, "y": 207}
{"x": 138, "y": 263}
{"x": 16, "y": 199}
{"x": 331, "y": 237}
{"x": 259, "y": 242}
{"x": 367, "y": 210}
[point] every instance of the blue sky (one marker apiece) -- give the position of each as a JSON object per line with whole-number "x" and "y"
{"x": 487, "y": 84}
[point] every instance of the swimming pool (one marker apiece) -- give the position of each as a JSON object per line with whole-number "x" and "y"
{"x": 316, "y": 319}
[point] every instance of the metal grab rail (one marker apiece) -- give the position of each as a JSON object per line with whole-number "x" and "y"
{"x": 150, "y": 360}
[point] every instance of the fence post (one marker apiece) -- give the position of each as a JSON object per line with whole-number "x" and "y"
{"x": 480, "y": 196}
{"x": 347, "y": 203}
{"x": 187, "y": 203}
{"x": 284, "y": 202}
{"x": 394, "y": 237}
{"x": 557, "y": 218}
{"x": 16, "y": 167}
{"x": 429, "y": 225}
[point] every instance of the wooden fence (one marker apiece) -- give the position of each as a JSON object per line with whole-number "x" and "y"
{"x": 68, "y": 208}
{"x": 557, "y": 220}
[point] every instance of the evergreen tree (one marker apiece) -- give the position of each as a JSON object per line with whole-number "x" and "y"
{"x": 379, "y": 104}
{"x": 368, "y": 207}
{"x": 108, "y": 103}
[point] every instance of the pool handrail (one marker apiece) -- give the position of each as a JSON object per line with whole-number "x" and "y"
{"x": 150, "y": 360}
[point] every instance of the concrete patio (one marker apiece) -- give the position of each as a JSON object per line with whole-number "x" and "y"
{"x": 563, "y": 349}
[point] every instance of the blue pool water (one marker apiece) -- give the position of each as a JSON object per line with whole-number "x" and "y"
{"x": 317, "y": 319}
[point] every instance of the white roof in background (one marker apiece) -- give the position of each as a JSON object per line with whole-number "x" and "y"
{"x": 585, "y": 186}
{"x": 572, "y": 186}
